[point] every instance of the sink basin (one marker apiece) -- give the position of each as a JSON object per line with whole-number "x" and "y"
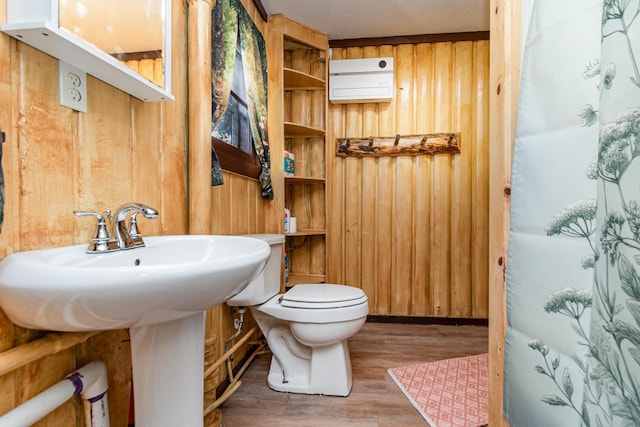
{"x": 160, "y": 292}
{"x": 172, "y": 277}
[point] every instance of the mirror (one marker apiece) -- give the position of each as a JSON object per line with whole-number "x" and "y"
{"x": 130, "y": 31}
{"x": 122, "y": 42}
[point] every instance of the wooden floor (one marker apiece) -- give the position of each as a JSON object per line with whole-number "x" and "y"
{"x": 375, "y": 400}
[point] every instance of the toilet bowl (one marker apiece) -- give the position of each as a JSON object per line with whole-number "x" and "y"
{"x": 306, "y": 328}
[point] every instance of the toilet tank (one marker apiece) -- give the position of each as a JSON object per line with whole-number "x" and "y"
{"x": 267, "y": 284}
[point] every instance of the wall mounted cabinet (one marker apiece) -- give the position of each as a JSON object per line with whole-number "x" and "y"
{"x": 302, "y": 101}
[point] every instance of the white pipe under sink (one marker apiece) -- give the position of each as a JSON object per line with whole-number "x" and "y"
{"x": 90, "y": 382}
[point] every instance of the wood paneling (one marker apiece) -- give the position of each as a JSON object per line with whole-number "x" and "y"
{"x": 503, "y": 88}
{"x": 412, "y": 231}
{"x": 199, "y": 53}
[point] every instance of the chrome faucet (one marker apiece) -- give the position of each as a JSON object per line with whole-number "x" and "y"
{"x": 121, "y": 237}
{"x": 130, "y": 238}
{"x": 101, "y": 240}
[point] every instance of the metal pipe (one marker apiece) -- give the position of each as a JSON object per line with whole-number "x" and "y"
{"x": 235, "y": 383}
{"x": 239, "y": 326}
{"x": 224, "y": 357}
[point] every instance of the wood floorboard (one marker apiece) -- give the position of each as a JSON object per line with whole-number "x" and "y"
{"x": 375, "y": 400}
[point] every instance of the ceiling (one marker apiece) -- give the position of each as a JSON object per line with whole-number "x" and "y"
{"x": 353, "y": 19}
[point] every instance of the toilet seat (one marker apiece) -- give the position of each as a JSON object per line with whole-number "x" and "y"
{"x": 325, "y": 306}
{"x": 322, "y": 296}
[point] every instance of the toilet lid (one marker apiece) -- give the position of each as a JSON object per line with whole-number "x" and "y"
{"x": 322, "y": 295}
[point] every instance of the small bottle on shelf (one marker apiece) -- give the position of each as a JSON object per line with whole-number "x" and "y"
{"x": 287, "y": 217}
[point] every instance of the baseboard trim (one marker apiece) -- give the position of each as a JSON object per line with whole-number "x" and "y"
{"x": 428, "y": 320}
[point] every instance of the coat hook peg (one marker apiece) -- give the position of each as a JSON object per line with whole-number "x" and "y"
{"x": 370, "y": 141}
{"x": 397, "y": 140}
{"x": 424, "y": 140}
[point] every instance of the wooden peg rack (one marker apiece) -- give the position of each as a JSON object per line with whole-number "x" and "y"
{"x": 409, "y": 145}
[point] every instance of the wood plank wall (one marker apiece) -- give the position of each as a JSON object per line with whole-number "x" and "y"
{"x": 506, "y": 19}
{"x": 412, "y": 232}
{"x": 56, "y": 160}
{"x": 236, "y": 208}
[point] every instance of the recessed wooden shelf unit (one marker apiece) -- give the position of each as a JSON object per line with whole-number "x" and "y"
{"x": 304, "y": 111}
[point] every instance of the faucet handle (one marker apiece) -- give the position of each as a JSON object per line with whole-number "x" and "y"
{"x": 133, "y": 226}
{"x": 99, "y": 243}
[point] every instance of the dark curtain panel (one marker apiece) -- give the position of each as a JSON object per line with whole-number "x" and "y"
{"x": 230, "y": 19}
{"x": 254, "y": 60}
{"x": 223, "y": 52}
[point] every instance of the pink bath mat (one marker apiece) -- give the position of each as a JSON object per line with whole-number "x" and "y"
{"x": 450, "y": 392}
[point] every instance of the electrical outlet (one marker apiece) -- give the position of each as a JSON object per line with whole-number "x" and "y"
{"x": 73, "y": 87}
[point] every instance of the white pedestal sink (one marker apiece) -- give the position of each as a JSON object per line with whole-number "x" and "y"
{"x": 160, "y": 292}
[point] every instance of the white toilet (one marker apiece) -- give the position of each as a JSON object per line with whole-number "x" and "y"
{"x": 306, "y": 328}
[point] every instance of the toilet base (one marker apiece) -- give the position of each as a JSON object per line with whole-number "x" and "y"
{"x": 327, "y": 371}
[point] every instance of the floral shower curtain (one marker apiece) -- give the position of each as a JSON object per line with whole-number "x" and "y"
{"x": 230, "y": 20}
{"x": 573, "y": 283}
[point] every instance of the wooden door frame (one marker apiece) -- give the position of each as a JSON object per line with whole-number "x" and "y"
{"x": 505, "y": 30}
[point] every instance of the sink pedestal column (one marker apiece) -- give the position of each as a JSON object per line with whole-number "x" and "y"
{"x": 168, "y": 373}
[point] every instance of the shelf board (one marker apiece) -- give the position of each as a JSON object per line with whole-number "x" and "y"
{"x": 293, "y": 41}
{"x": 307, "y": 232}
{"x": 302, "y": 278}
{"x": 293, "y": 130}
{"x": 294, "y": 79}
{"x": 85, "y": 56}
{"x": 303, "y": 180}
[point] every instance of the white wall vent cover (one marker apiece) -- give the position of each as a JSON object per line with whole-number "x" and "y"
{"x": 361, "y": 80}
